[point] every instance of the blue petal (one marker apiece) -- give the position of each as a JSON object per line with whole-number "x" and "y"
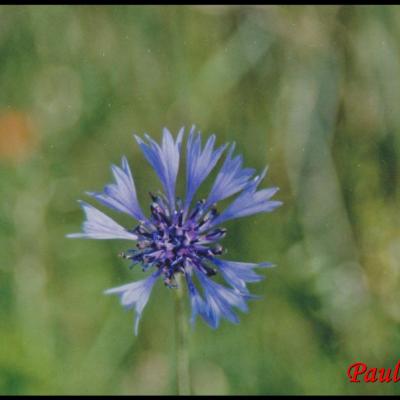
{"x": 135, "y": 294}
{"x": 219, "y": 301}
{"x": 196, "y": 301}
{"x": 231, "y": 179}
{"x": 199, "y": 163}
{"x": 100, "y": 226}
{"x": 121, "y": 196}
{"x": 237, "y": 274}
{"x": 249, "y": 202}
{"x": 164, "y": 160}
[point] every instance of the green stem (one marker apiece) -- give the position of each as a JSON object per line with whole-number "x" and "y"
{"x": 182, "y": 348}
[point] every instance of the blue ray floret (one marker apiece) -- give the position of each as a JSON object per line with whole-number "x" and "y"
{"x": 178, "y": 237}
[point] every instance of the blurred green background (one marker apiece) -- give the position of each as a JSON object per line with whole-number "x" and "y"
{"x": 313, "y": 92}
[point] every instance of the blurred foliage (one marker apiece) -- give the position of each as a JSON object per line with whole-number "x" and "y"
{"x": 311, "y": 91}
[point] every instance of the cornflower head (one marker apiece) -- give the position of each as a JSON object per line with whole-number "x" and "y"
{"x": 182, "y": 237}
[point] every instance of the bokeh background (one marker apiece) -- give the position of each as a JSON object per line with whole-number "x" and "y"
{"x": 314, "y": 92}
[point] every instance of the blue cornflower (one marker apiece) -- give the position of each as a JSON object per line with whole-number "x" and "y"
{"x": 180, "y": 237}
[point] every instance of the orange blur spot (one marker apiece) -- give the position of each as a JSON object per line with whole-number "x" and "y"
{"x": 17, "y": 139}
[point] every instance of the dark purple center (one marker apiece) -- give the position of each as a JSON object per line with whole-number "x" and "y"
{"x": 178, "y": 240}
